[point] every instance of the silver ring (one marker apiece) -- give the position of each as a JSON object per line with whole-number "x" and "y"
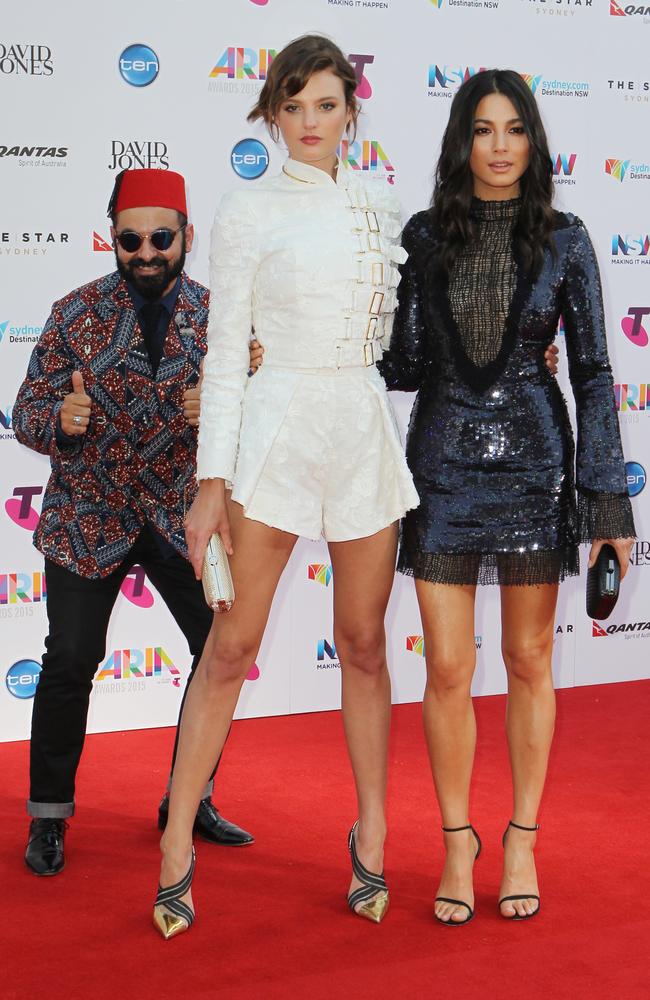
{"x": 76, "y": 419}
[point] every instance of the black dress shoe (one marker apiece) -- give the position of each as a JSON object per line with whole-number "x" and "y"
{"x": 209, "y": 825}
{"x": 44, "y": 854}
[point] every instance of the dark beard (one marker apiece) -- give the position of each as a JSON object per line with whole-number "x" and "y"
{"x": 152, "y": 286}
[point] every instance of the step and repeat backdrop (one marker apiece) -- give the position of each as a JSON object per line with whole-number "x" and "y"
{"x": 86, "y": 93}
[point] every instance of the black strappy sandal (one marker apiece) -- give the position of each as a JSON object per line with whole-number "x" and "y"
{"x": 458, "y": 902}
{"x": 525, "y": 895}
{"x": 373, "y": 894}
{"x": 170, "y": 915}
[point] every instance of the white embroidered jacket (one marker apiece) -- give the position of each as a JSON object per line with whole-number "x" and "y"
{"x": 310, "y": 265}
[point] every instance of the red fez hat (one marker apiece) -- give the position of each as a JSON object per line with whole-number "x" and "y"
{"x": 151, "y": 189}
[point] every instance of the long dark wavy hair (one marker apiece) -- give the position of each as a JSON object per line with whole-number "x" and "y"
{"x": 454, "y": 186}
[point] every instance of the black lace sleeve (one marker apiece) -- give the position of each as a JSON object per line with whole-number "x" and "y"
{"x": 604, "y": 515}
{"x": 403, "y": 364}
{"x": 603, "y": 503}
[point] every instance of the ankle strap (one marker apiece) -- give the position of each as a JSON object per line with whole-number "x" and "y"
{"x": 456, "y": 829}
{"x": 518, "y": 826}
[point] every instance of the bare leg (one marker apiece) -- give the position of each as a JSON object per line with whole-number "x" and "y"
{"x": 527, "y": 617}
{"x": 261, "y": 553}
{"x": 363, "y": 578}
{"x": 450, "y": 728}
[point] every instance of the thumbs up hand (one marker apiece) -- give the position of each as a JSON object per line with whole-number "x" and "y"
{"x": 192, "y": 402}
{"x": 74, "y": 415}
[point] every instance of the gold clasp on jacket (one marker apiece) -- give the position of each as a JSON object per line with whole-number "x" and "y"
{"x": 372, "y": 222}
{"x": 371, "y": 329}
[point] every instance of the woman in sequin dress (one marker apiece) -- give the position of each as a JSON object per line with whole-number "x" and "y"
{"x": 309, "y": 259}
{"x": 491, "y": 268}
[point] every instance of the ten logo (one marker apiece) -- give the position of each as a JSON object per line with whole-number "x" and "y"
{"x": 249, "y": 159}
{"x": 139, "y": 65}
{"x": 22, "y": 678}
{"x": 636, "y": 478}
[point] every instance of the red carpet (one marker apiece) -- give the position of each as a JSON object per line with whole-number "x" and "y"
{"x": 272, "y": 920}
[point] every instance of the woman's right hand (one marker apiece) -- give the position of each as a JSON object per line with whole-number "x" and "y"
{"x": 256, "y": 355}
{"x": 207, "y": 514}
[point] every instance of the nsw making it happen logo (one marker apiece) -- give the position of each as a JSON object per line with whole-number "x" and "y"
{"x": 563, "y": 166}
{"x": 444, "y": 79}
{"x": 249, "y": 159}
{"x": 630, "y": 248}
{"x": 22, "y": 678}
{"x": 138, "y": 65}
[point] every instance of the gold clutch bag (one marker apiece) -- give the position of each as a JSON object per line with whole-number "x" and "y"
{"x": 217, "y": 581}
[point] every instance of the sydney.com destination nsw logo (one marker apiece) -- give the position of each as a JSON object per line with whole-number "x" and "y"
{"x": 627, "y": 170}
{"x": 547, "y": 87}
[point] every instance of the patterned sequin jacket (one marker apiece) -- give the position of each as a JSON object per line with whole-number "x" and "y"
{"x": 136, "y": 463}
{"x": 310, "y": 264}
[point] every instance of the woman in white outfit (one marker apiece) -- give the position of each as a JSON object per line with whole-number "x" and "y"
{"x": 308, "y": 260}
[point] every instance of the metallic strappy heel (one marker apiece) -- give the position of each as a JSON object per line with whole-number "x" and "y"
{"x": 170, "y": 915}
{"x": 373, "y": 893}
{"x": 459, "y": 902}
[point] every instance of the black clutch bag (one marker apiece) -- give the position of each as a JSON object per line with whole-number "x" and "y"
{"x": 603, "y": 583}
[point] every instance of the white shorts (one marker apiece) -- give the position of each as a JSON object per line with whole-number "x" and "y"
{"x": 336, "y": 466}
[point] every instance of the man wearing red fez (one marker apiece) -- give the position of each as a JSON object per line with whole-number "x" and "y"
{"x": 111, "y": 395}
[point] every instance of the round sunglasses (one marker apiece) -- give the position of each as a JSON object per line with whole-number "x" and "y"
{"x": 160, "y": 239}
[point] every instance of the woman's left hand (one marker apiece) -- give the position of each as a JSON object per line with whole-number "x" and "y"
{"x": 622, "y": 547}
{"x": 551, "y": 358}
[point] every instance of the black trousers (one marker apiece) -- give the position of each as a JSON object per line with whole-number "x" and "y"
{"x": 79, "y": 611}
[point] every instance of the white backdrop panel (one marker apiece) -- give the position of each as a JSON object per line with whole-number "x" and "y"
{"x": 70, "y": 121}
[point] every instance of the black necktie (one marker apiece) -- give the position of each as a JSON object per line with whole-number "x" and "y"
{"x": 154, "y": 338}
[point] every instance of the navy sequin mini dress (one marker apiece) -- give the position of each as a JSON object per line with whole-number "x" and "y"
{"x": 505, "y": 496}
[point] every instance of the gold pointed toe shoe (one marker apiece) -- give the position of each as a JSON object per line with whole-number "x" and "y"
{"x": 171, "y": 916}
{"x": 371, "y": 899}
